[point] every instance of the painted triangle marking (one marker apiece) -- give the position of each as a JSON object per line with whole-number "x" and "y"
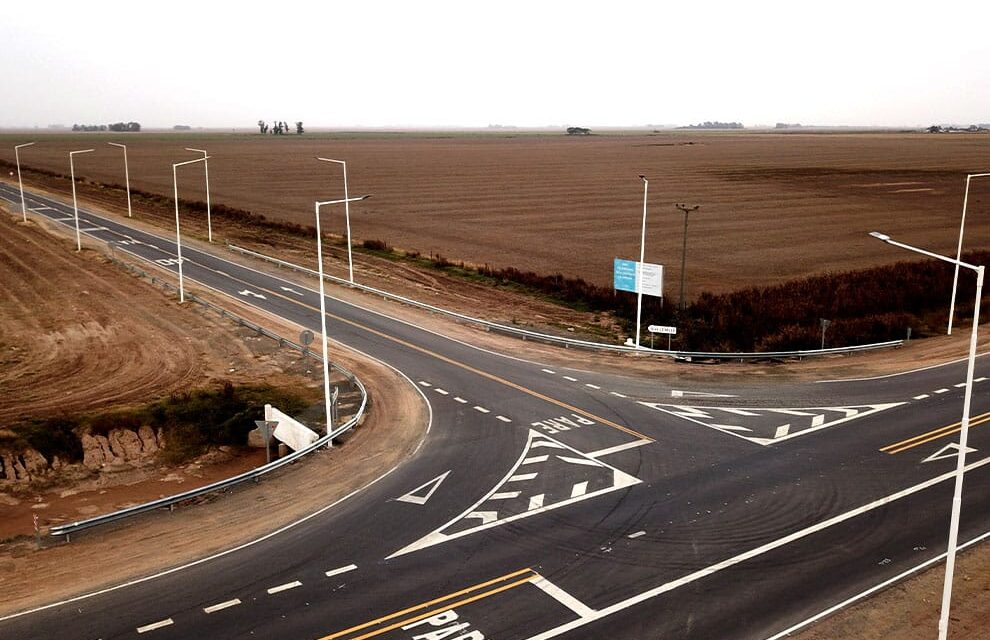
{"x": 950, "y": 450}
{"x": 484, "y": 516}
{"x": 413, "y": 496}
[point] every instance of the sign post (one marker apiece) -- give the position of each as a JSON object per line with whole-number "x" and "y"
{"x": 655, "y": 328}
{"x": 638, "y": 277}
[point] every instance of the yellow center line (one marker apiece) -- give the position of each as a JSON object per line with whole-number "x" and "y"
{"x": 533, "y": 575}
{"x": 935, "y": 434}
{"x": 442, "y": 358}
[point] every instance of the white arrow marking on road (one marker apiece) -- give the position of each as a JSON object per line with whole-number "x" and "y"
{"x": 484, "y": 516}
{"x": 950, "y": 450}
{"x": 247, "y": 292}
{"x": 412, "y": 496}
{"x": 291, "y": 290}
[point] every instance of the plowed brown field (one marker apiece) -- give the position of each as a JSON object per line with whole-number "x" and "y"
{"x": 774, "y": 206}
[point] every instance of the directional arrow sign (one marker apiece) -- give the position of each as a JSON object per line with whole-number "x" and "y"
{"x": 950, "y": 450}
{"x": 416, "y": 496}
{"x": 247, "y": 292}
{"x": 291, "y": 290}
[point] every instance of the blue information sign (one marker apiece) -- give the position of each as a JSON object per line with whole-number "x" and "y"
{"x": 625, "y": 275}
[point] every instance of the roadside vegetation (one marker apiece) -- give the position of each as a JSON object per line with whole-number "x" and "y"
{"x": 191, "y": 422}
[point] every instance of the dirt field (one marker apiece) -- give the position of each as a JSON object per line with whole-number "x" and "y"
{"x": 774, "y": 206}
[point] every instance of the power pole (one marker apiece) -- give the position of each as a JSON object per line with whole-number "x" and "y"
{"x": 686, "y": 209}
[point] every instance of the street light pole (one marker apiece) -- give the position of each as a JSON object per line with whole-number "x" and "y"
{"x": 127, "y": 176}
{"x": 17, "y": 155}
{"x": 178, "y": 236}
{"x": 206, "y": 166}
{"x": 962, "y": 226}
{"x": 950, "y": 555}
{"x": 323, "y": 309}
{"x": 347, "y": 217}
{"x": 686, "y": 209}
{"x": 75, "y": 205}
{"x": 639, "y": 266}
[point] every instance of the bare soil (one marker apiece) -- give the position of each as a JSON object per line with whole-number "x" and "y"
{"x": 774, "y": 206}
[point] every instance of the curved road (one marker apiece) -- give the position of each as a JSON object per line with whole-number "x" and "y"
{"x": 550, "y": 502}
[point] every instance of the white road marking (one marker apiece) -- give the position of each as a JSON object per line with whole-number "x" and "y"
{"x": 43, "y": 209}
{"x": 459, "y": 399}
{"x": 950, "y": 450}
{"x": 922, "y": 396}
{"x": 535, "y": 459}
{"x": 484, "y": 516}
{"x": 505, "y": 495}
{"x": 441, "y": 391}
{"x": 636, "y": 535}
{"x": 155, "y": 625}
{"x": 960, "y": 385}
{"x": 222, "y": 605}
{"x": 592, "y": 386}
{"x": 413, "y": 497}
{"x": 582, "y": 461}
{"x": 521, "y": 477}
{"x": 291, "y": 290}
{"x": 284, "y": 587}
{"x": 748, "y": 555}
{"x": 536, "y": 502}
{"x": 782, "y": 431}
{"x": 424, "y": 383}
{"x": 548, "y": 371}
{"x": 570, "y": 378}
{"x": 248, "y": 292}
{"x": 579, "y": 489}
{"x": 901, "y": 373}
{"x": 979, "y": 379}
{"x": 340, "y": 570}
{"x": 943, "y": 390}
{"x": 618, "y": 448}
{"x": 793, "y": 412}
{"x": 91, "y": 229}
{"x": 564, "y": 598}
{"x": 731, "y": 427}
{"x": 503, "y": 418}
{"x": 677, "y": 393}
{"x": 617, "y": 394}
{"x": 739, "y": 412}
{"x": 481, "y": 409}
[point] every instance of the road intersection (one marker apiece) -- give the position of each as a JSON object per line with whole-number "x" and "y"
{"x": 551, "y": 502}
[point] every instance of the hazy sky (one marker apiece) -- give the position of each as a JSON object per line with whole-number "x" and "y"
{"x": 474, "y": 63}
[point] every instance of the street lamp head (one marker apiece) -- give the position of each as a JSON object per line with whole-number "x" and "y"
{"x": 21, "y": 146}
{"x": 81, "y": 151}
{"x": 880, "y": 236}
{"x": 642, "y": 177}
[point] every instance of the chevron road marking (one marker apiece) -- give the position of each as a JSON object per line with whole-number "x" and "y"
{"x": 934, "y": 434}
{"x": 415, "y": 496}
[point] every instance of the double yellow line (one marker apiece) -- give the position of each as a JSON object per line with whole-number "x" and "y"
{"x": 488, "y": 588}
{"x": 941, "y": 432}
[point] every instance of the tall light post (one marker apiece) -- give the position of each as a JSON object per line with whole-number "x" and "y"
{"x": 178, "y": 237}
{"x": 347, "y": 218}
{"x": 323, "y": 308}
{"x": 962, "y": 226}
{"x": 639, "y": 266}
{"x": 75, "y": 205}
{"x": 686, "y": 209}
{"x": 950, "y": 556}
{"x": 127, "y": 176}
{"x": 206, "y": 166}
{"x": 17, "y": 155}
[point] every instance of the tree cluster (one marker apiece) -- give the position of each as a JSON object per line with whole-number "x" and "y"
{"x": 973, "y": 128}
{"x": 278, "y": 128}
{"x": 578, "y": 131}
{"x": 708, "y": 124}
{"x": 116, "y": 126}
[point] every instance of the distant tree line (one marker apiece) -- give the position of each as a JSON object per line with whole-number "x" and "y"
{"x": 973, "y": 128}
{"x": 116, "y": 126}
{"x": 715, "y": 125}
{"x": 278, "y": 128}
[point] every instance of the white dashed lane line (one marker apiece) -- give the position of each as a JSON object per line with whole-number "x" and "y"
{"x": 340, "y": 570}
{"x": 592, "y": 386}
{"x": 424, "y": 383}
{"x": 221, "y": 606}
{"x": 943, "y": 390}
{"x": 441, "y": 391}
{"x": 459, "y": 399}
{"x": 481, "y": 409}
{"x": 155, "y": 625}
{"x": 636, "y": 535}
{"x": 284, "y": 587}
{"x": 570, "y": 378}
{"x": 549, "y": 371}
{"x": 617, "y": 394}
{"x": 922, "y": 396}
{"x": 503, "y": 418}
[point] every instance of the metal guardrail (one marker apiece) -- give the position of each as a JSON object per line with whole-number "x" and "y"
{"x": 169, "y": 501}
{"x": 526, "y": 334}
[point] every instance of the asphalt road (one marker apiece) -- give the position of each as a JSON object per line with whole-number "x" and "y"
{"x": 553, "y": 502}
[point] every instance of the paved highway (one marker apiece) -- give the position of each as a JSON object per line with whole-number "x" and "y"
{"x": 556, "y": 502}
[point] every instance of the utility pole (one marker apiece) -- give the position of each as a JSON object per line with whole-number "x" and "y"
{"x": 686, "y": 209}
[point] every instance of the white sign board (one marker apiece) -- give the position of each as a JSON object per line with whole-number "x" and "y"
{"x": 652, "y": 283}
{"x": 292, "y": 432}
{"x": 655, "y": 328}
